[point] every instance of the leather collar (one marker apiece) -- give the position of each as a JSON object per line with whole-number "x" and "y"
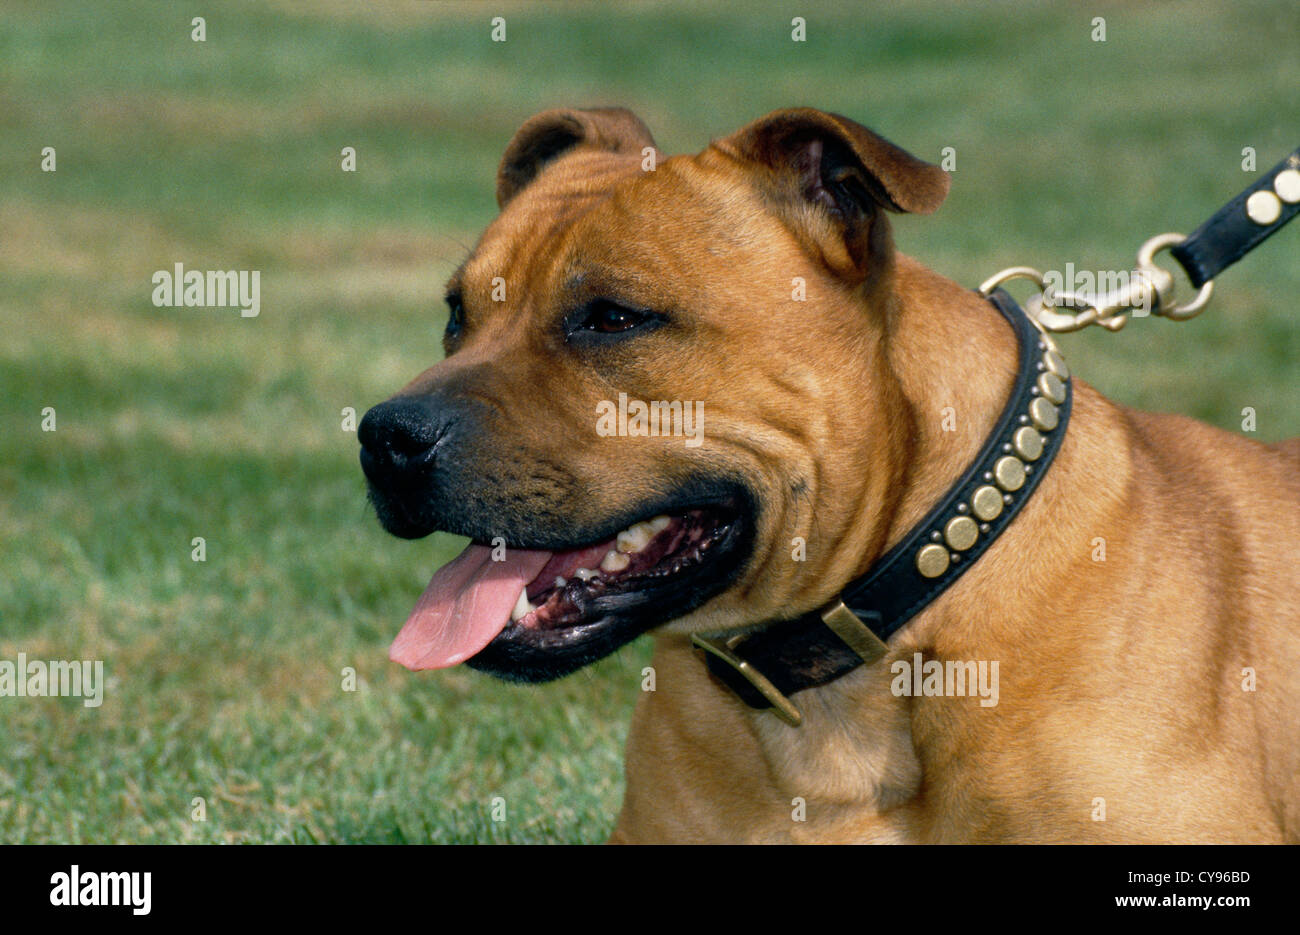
{"x": 766, "y": 665}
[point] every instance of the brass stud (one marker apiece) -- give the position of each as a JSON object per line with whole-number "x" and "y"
{"x": 932, "y": 561}
{"x": 987, "y": 501}
{"x": 1056, "y": 364}
{"x": 961, "y": 532}
{"x": 1010, "y": 473}
{"x": 1027, "y": 443}
{"x": 1043, "y": 414}
{"x": 1052, "y": 387}
{"x": 1263, "y": 207}
{"x": 1287, "y": 186}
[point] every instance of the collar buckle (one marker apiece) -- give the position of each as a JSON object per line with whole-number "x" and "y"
{"x": 724, "y": 648}
{"x": 841, "y": 621}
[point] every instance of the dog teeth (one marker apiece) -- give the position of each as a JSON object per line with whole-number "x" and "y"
{"x": 522, "y": 607}
{"x": 614, "y": 561}
{"x": 634, "y": 538}
{"x": 559, "y": 581}
{"x": 637, "y": 536}
{"x": 585, "y": 574}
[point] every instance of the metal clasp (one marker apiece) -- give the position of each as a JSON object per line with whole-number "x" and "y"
{"x": 1148, "y": 289}
{"x": 1167, "y": 307}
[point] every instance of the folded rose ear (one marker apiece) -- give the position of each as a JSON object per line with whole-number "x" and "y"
{"x": 553, "y": 133}
{"x": 804, "y": 157}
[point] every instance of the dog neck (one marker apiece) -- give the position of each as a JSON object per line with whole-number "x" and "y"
{"x": 955, "y": 362}
{"x": 953, "y": 356}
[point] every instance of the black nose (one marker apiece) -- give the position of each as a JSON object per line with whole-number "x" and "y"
{"x": 399, "y": 437}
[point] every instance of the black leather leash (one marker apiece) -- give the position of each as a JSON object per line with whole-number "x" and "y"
{"x": 765, "y": 666}
{"x": 1243, "y": 223}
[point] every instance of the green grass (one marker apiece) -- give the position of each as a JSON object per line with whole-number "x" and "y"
{"x": 225, "y": 676}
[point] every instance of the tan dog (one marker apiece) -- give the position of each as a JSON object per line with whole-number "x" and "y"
{"x": 1150, "y": 696}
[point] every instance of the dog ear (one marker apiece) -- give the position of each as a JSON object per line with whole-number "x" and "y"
{"x": 552, "y": 133}
{"x": 810, "y": 157}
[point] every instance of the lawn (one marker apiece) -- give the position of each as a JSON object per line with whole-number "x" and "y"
{"x": 226, "y": 677}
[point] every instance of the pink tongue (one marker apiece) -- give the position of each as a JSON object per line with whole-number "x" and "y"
{"x": 467, "y": 603}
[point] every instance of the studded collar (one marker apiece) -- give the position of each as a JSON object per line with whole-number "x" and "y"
{"x": 767, "y": 665}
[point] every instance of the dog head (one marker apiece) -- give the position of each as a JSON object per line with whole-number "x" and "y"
{"x": 664, "y": 399}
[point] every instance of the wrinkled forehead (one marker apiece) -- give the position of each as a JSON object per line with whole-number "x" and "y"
{"x": 595, "y": 215}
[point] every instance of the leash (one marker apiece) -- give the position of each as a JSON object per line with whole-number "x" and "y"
{"x": 1234, "y": 230}
{"x": 764, "y": 666}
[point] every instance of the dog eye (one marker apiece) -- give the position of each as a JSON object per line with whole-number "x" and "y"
{"x": 455, "y": 315}
{"x": 608, "y": 318}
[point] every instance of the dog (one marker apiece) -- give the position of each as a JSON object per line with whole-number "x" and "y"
{"x": 1141, "y": 614}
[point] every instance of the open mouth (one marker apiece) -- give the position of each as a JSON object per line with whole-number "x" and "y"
{"x": 532, "y": 615}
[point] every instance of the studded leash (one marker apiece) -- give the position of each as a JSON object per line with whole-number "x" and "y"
{"x": 1238, "y": 227}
